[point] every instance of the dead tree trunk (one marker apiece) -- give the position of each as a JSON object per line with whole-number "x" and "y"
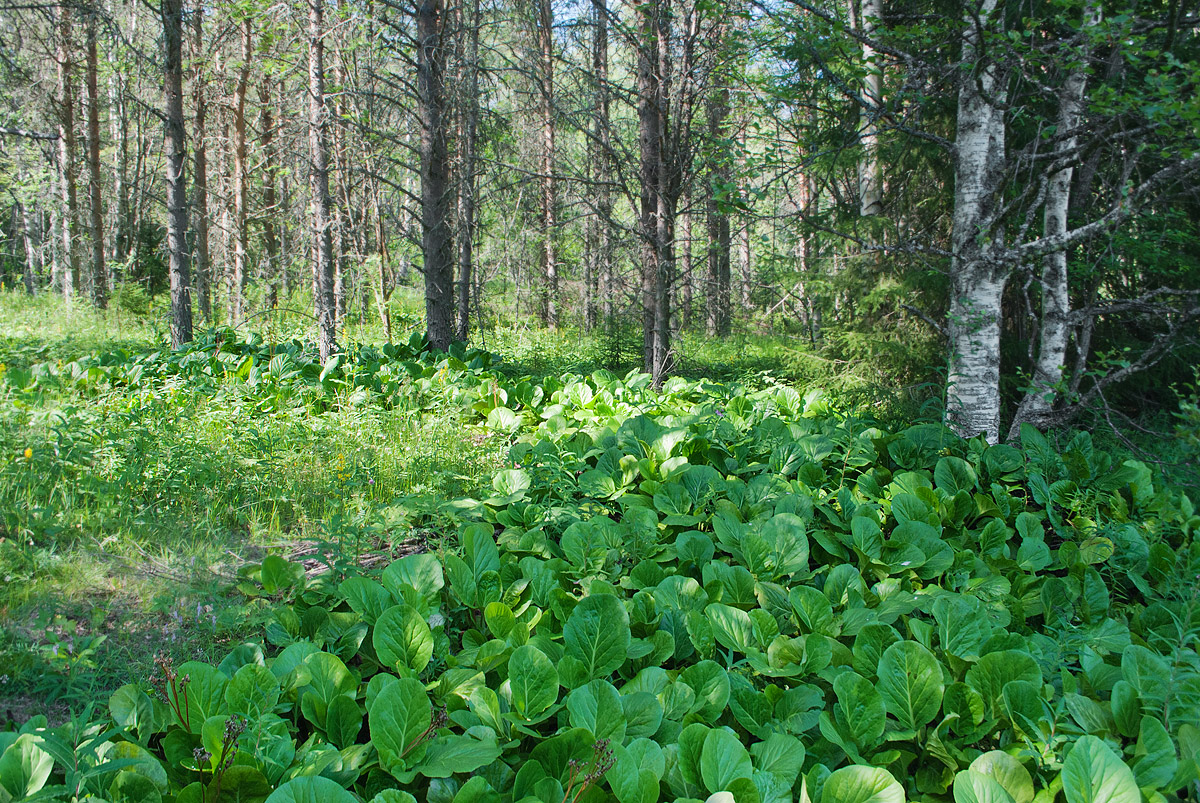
{"x": 436, "y": 244}
{"x": 318, "y": 142}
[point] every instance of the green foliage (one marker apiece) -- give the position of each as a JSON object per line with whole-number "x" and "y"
{"x": 699, "y": 593}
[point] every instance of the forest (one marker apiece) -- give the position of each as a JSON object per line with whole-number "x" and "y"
{"x": 772, "y": 401}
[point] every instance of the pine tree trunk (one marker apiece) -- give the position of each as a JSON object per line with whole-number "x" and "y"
{"x": 177, "y": 211}
{"x": 68, "y": 183}
{"x": 604, "y": 277}
{"x": 436, "y": 244}
{"x": 549, "y": 190}
{"x": 466, "y": 198}
{"x": 241, "y": 232}
{"x": 270, "y": 199}
{"x": 318, "y": 142}
{"x": 99, "y": 281}
{"x": 976, "y": 282}
{"x": 717, "y": 290}
{"x": 31, "y": 249}
{"x": 202, "y": 263}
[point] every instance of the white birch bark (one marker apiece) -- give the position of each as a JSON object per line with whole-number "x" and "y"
{"x": 1036, "y": 406}
{"x": 869, "y": 175}
{"x": 976, "y": 280}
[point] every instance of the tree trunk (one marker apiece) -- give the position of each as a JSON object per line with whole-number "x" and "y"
{"x": 177, "y": 211}
{"x": 870, "y": 181}
{"x": 685, "y": 270}
{"x": 466, "y": 197}
{"x": 436, "y": 245}
{"x": 976, "y": 281}
{"x": 68, "y": 185}
{"x": 545, "y": 42}
{"x": 203, "y": 270}
{"x": 99, "y": 281}
{"x": 30, "y": 248}
{"x": 318, "y": 142}
{"x": 716, "y": 295}
{"x": 655, "y": 218}
{"x": 1036, "y": 405}
{"x": 270, "y": 199}
{"x": 241, "y": 233}
{"x": 603, "y": 270}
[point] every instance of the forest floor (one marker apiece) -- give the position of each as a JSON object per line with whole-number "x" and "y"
{"x": 126, "y": 525}
{"x": 130, "y": 508}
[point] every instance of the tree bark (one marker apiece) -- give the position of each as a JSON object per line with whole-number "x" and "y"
{"x": 656, "y": 215}
{"x": 436, "y": 245}
{"x": 270, "y": 198}
{"x": 203, "y": 263}
{"x": 241, "y": 232}
{"x": 549, "y": 190}
{"x": 716, "y": 295}
{"x": 466, "y": 197}
{"x": 177, "y": 211}
{"x": 976, "y": 280}
{"x": 99, "y": 281}
{"x": 68, "y": 184}
{"x": 31, "y": 249}
{"x": 870, "y": 178}
{"x": 318, "y": 142}
{"x": 1035, "y": 407}
{"x": 601, "y": 163}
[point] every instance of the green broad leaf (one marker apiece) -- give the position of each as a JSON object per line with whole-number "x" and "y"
{"x": 630, "y": 782}
{"x": 995, "y": 670}
{"x": 476, "y": 790}
{"x": 402, "y": 639}
{"x": 787, "y": 545}
{"x": 130, "y": 787}
{"x": 396, "y": 796}
{"x": 422, "y": 571}
{"x": 1126, "y": 708}
{"x": 366, "y": 597}
{"x": 963, "y": 625}
{"x": 24, "y": 766}
{"x": 343, "y": 721}
{"x": 252, "y": 692}
{"x": 328, "y": 678}
{"x": 953, "y": 474}
{"x": 479, "y": 549}
{"x": 597, "y": 634}
{"x": 710, "y": 682}
{"x": 975, "y": 787}
{"x": 1008, "y": 772}
{"x": 1093, "y": 773}
{"x": 241, "y": 784}
{"x": 399, "y": 717}
{"x": 1155, "y": 762}
{"x": 311, "y": 789}
{"x": 910, "y": 682}
{"x": 860, "y": 709}
{"x": 533, "y": 682}
{"x": 597, "y": 484}
{"x": 869, "y": 645}
{"x": 205, "y": 694}
{"x": 643, "y": 714}
{"x": 136, "y": 758}
{"x": 859, "y": 784}
{"x": 780, "y": 755}
{"x": 451, "y": 755}
{"x": 731, "y": 627}
{"x": 510, "y": 485}
{"x": 597, "y": 707}
{"x": 723, "y": 759}
{"x": 694, "y": 547}
{"x": 503, "y": 420}
{"x": 132, "y": 709}
{"x": 812, "y": 610}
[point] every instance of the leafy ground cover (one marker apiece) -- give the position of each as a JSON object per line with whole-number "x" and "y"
{"x": 706, "y": 593}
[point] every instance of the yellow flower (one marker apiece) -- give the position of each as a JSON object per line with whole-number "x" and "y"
{"x": 28, "y": 453}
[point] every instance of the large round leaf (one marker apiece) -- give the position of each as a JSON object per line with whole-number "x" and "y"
{"x": 910, "y": 681}
{"x": 597, "y": 634}
{"x": 1093, "y": 773}
{"x": 975, "y": 787}
{"x": 858, "y": 784}
{"x": 402, "y": 639}
{"x": 400, "y": 715}
{"x": 311, "y": 789}
{"x": 533, "y": 681}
